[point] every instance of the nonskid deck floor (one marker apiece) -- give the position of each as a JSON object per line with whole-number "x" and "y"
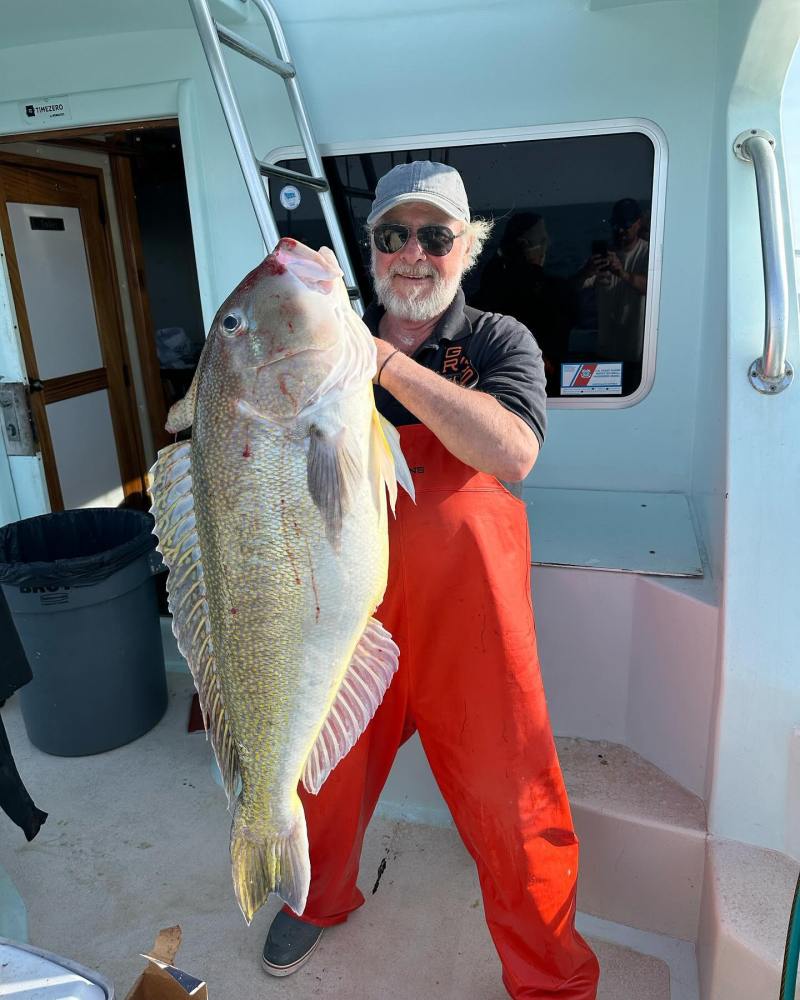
{"x": 137, "y": 839}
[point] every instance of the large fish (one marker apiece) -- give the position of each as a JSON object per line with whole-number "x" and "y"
{"x": 273, "y": 523}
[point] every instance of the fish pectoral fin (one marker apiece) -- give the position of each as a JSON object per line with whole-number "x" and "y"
{"x": 366, "y": 681}
{"x": 391, "y": 463}
{"x": 278, "y": 863}
{"x": 333, "y": 470}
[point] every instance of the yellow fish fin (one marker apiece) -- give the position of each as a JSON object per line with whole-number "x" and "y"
{"x": 368, "y": 676}
{"x": 273, "y": 863}
{"x": 390, "y": 461}
{"x": 173, "y": 510}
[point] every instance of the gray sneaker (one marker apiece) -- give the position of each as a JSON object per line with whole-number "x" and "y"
{"x": 289, "y": 945}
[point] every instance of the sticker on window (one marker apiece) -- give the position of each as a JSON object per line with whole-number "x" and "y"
{"x": 290, "y": 197}
{"x": 601, "y": 378}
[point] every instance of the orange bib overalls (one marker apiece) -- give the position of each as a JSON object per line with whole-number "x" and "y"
{"x": 458, "y": 605}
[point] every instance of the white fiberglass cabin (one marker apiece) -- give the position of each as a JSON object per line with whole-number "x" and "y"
{"x": 663, "y": 508}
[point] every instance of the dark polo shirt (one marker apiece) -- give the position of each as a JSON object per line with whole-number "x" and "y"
{"x": 479, "y": 350}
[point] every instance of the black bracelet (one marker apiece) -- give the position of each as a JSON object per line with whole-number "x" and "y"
{"x": 385, "y": 362}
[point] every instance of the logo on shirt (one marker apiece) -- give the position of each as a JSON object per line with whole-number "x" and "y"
{"x": 458, "y": 368}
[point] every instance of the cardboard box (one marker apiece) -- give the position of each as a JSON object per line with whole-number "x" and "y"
{"x": 161, "y": 980}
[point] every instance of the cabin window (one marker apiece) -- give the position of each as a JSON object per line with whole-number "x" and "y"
{"x": 569, "y": 255}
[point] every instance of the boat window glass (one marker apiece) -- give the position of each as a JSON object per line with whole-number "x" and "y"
{"x": 569, "y": 254}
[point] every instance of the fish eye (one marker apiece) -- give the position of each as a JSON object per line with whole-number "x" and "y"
{"x": 231, "y": 323}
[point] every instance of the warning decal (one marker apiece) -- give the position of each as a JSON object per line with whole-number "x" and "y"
{"x": 592, "y": 378}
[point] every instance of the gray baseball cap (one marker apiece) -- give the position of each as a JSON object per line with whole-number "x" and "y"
{"x": 434, "y": 183}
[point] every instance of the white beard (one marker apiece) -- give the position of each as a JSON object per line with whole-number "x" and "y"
{"x": 422, "y": 302}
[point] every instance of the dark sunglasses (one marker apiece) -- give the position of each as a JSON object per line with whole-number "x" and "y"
{"x": 389, "y": 237}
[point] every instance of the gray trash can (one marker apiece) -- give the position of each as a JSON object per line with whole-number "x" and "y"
{"x": 80, "y": 587}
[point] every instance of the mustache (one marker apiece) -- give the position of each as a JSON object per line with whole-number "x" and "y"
{"x": 412, "y": 271}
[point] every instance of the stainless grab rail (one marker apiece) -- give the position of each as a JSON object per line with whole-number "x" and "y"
{"x": 771, "y": 373}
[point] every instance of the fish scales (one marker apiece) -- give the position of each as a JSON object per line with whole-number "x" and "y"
{"x": 284, "y": 529}
{"x": 267, "y": 579}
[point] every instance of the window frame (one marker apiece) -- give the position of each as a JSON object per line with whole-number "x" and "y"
{"x": 643, "y": 126}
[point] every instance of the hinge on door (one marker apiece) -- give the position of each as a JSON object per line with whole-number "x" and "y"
{"x": 126, "y": 375}
{"x": 102, "y": 211}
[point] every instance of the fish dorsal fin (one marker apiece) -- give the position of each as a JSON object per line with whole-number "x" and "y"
{"x": 173, "y": 510}
{"x": 181, "y": 414}
{"x": 369, "y": 674}
{"x": 388, "y": 455}
{"x": 333, "y": 471}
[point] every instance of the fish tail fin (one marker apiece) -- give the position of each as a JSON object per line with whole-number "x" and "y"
{"x": 277, "y": 862}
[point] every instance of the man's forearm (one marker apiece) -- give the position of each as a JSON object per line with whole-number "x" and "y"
{"x": 637, "y": 281}
{"x": 471, "y": 424}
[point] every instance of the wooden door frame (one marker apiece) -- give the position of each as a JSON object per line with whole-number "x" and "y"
{"x": 132, "y": 248}
{"x": 85, "y": 131}
{"x": 133, "y": 253}
{"x": 116, "y": 359}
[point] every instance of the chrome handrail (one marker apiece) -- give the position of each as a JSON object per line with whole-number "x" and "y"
{"x": 771, "y": 373}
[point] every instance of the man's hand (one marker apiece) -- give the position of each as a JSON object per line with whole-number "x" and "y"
{"x": 614, "y": 264}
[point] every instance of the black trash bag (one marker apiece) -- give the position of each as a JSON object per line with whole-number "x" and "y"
{"x": 73, "y": 547}
{"x": 14, "y": 673}
{"x": 14, "y": 667}
{"x": 14, "y": 798}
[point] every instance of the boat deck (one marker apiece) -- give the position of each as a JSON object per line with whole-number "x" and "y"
{"x": 137, "y": 840}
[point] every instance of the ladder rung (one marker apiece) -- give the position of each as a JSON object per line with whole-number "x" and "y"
{"x": 284, "y": 173}
{"x": 241, "y": 45}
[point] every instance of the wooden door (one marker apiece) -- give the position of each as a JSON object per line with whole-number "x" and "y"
{"x": 54, "y": 228}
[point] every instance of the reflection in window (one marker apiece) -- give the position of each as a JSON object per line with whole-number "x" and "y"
{"x": 568, "y": 256}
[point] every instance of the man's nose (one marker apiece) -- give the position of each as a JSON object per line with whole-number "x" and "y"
{"x": 412, "y": 251}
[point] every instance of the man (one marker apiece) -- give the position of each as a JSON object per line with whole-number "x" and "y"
{"x": 620, "y": 283}
{"x": 516, "y": 283}
{"x": 466, "y": 390}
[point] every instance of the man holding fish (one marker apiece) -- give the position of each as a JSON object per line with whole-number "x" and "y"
{"x": 466, "y": 390}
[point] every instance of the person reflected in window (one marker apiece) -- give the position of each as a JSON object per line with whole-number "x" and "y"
{"x": 619, "y": 278}
{"x": 515, "y": 283}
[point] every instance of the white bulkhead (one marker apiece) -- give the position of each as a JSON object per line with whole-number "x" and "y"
{"x": 666, "y": 558}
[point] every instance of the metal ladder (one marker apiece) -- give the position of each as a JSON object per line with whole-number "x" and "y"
{"x": 212, "y": 33}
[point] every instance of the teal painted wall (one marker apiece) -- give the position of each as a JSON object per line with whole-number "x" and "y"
{"x": 533, "y": 64}
{"x": 372, "y": 71}
{"x": 754, "y": 793}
